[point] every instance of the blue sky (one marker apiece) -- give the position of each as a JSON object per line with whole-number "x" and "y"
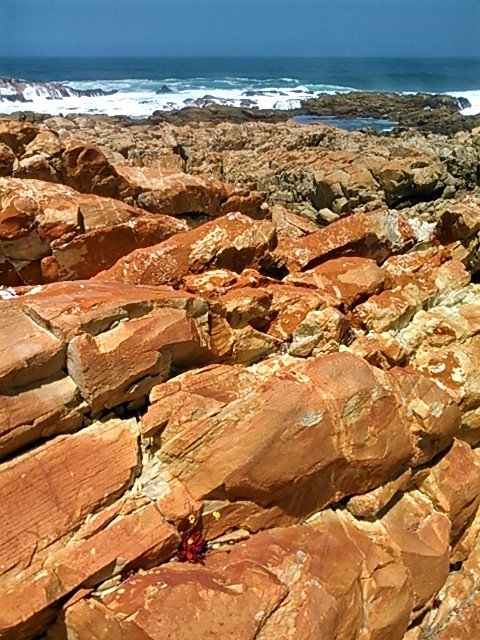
{"x": 240, "y": 27}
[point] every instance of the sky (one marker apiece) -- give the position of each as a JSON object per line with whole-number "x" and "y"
{"x": 419, "y": 28}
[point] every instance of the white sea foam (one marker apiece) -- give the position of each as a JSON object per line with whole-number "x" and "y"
{"x": 473, "y": 97}
{"x": 138, "y": 97}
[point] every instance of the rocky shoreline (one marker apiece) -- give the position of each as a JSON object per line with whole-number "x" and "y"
{"x": 239, "y": 390}
{"x": 428, "y": 113}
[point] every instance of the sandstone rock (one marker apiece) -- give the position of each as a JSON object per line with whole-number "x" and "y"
{"x": 458, "y": 605}
{"x": 460, "y": 220}
{"x": 89, "y": 169}
{"x": 217, "y": 282}
{"x": 321, "y": 564}
{"x": 453, "y": 486}
{"x": 49, "y": 546}
{"x": 306, "y": 167}
{"x": 212, "y": 604}
{"x": 311, "y": 410}
{"x": 68, "y": 235}
{"x": 373, "y": 235}
{"x": 443, "y": 343}
{"x": 16, "y": 134}
{"x": 380, "y": 350}
{"x": 406, "y": 267}
{"x": 324, "y": 468}
{"x": 402, "y": 182}
{"x": 86, "y": 168}
{"x": 195, "y": 394}
{"x": 28, "y": 352}
{"x": 123, "y": 364}
{"x": 174, "y": 193}
{"x": 7, "y": 160}
{"x": 41, "y": 410}
{"x": 347, "y": 280}
{"x": 421, "y": 535}
{"x": 68, "y": 309}
{"x": 320, "y": 332}
{"x": 40, "y": 159}
{"x": 289, "y": 225}
{"x": 233, "y": 241}
{"x": 394, "y": 308}
{"x": 371, "y": 503}
{"x": 291, "y": 591}
{"x": 119, "y": 339}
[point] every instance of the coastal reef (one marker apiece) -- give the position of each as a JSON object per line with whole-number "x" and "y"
{"x": 240, "y": 378}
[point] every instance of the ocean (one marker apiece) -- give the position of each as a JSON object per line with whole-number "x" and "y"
{"x": 278, "y": 83}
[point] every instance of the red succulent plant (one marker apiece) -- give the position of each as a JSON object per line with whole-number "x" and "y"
{"x": 193, "y": 547}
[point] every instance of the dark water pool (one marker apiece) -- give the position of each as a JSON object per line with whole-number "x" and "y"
{"x": 350, "y": 124}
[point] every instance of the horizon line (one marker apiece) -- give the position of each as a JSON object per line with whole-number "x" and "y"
{"x": 242, "y": 57}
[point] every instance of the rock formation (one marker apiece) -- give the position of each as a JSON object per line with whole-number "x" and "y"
{"x": 239, "y": 389}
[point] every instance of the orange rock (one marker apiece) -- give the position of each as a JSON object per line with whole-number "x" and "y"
{"x": 27, "y": 351}
{"x": 233, "y": 241}
{"x": 453, "y": 485}
{"x": 52, "y": 545}
{"x": 352, "y": 426}
{"x": 321, "y": 564}
{"x": 290, "y": 225}
{"x": 297, "y": 583}
{"x": 16, "y": 134}
{"x": 183, "y": 603}
{"x": 7, "y": 160}
{"x": 217, "y": 282}
{"x": 124, "y": 363}
{"x": 394, "y": 308}
{"x": 86, "y": 168}
{"x": 175, "y": 193}
{"x": 371, "y": 503}
{"x": 67, "y": 309}
{"x": 346, "y": 280}
{"x": 379, "y": 349}
{"x": 421, "y": 535}
{"x": 374, "y": 235}
{"x": 74, "y": 235}
{"x": 459, "y": 220}
{"x": 94, "y": 169}
{"x": 47, "y": 408}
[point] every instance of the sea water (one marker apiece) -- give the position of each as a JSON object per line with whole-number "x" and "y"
{"x": 280, "y": 83}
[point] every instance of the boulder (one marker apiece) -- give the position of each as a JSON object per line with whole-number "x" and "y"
{"x": 347, "y": 280}
{"x": 7, "y": 160}
{"x": 233, "y": 241}
{"x": 52, "y": 544}
{"x": 291, "y": 591}
{"x": 50, "y": 232}
{"x": 344, "y": 442}
{"x": 375, "y": 235}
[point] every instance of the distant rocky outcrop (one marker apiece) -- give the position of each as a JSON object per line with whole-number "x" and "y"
{"x": 423, "y": 111}
{"x": 164, "y": 89}
{"x": 14, "y": 90}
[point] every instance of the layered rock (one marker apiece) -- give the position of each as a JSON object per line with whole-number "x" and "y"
{"x": 291, "y": 591}
{"x": 233, "y": 241}
{"x": 308, "y": 168}
{"x": 375, "y": 235}
{"x": 49, "y": 232}
{"x": 340, "y": 431}
{"x": 86, "y": 168}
